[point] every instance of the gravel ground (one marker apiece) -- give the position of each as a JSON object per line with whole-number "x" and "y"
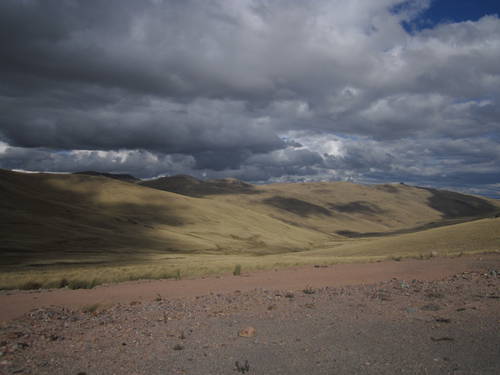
{"x": 448, "y": 326}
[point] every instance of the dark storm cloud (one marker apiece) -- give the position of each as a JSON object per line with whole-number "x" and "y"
{"x": 257, "y": 89}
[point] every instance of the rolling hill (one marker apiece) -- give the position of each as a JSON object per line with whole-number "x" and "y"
{"x": 339, "y": 208}
{"x": 56, "y": 221}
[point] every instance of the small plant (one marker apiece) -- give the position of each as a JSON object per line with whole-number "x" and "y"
{"x": 242, "y": 367}
{"x": 31, "y": 285}
{"x": 63, "y": 283}
{"x": 81, "y": 284}
{"x": 237, "y": 270}
{"x": 178, "y": 347}
{"x": 90, "y": 309}
{"x": 309, "y": 290}
{"x": 177, "y": 275}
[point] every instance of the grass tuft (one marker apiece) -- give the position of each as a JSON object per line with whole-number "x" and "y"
{"x": 237, "y": 270}
{"x": 177, "y": 274}
{"x": 82, "y": 284}
{"x": 90, "y": 309}
{"x": 29, "y": 285}
{"x": 309, "y": 290}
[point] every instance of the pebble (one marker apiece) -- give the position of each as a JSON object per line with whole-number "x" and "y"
{"x": 247, "y": 332}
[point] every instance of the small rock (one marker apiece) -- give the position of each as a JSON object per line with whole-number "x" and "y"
{"x": 442, "y": 339}
{"x": 247, "y": 332}
{"x": 434, "y": 253}
{"x": 14, "y": 335}
{"x": 178, "y": 347}
{"x": 443, "y": 320}
{"x": 411, "y": 310}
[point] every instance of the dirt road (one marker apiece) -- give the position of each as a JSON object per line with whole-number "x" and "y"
{"x": 439, "y": 316}
{"x": 15, "y": 304}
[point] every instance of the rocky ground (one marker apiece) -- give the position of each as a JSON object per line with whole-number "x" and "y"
{"x": 448, "y": 326}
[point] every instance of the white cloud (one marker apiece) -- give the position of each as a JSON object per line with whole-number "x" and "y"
{"x": 232, "y": 87}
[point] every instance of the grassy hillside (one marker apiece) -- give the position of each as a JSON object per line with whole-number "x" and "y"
{"x": 79, "y": 217}
{"x": 96, "y": 228}
{"x": 348, "y": 209}
{"x": 467, "y": 238}
{"x": 352, "y": 210}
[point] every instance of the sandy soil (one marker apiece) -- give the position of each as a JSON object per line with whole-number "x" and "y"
{"x": 438, "y": 316}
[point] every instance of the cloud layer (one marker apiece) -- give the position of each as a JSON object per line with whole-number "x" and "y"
{"x": 257, "y": 89}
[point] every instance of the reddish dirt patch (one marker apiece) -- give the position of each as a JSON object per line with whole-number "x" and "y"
{"x": 15, "y": 304}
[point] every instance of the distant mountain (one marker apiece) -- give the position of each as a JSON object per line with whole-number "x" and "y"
{"x": 190, "y": 186}
{"x": 116, "y": 176}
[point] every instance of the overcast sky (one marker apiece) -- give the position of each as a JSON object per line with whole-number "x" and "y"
{"x": 261, "y": 90}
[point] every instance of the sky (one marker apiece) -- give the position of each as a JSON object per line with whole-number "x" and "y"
{"x": 260, "y": 90}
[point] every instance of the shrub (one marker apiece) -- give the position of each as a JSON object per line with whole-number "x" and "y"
{"x": 90, "y": 308}
{"x": 31, "y": 285}
{"x": 81, "y": 284}
{"x": 309, "y": 290}
{"x": 237, "y": 270}
{"x": 177, "y": 275}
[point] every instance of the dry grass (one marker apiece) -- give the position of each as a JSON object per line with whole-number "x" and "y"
{"x": 79, "y": 231}
{"x": 469, "y": 238}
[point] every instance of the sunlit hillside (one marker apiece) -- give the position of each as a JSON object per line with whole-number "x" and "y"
{"x": 62, "y": 225}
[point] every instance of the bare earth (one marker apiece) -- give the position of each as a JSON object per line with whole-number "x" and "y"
{"x": 437, "y": 316}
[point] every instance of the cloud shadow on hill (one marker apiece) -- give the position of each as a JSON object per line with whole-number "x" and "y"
{"x": 297, "y": 206}
{"x": 455, "y": 205}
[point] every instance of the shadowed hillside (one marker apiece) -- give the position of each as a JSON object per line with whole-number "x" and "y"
{"x": 50, "y": 216}
{"x": 192, "y": 187}
{"x": 454, "y": 205}
{"x": 116, "y": 176}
